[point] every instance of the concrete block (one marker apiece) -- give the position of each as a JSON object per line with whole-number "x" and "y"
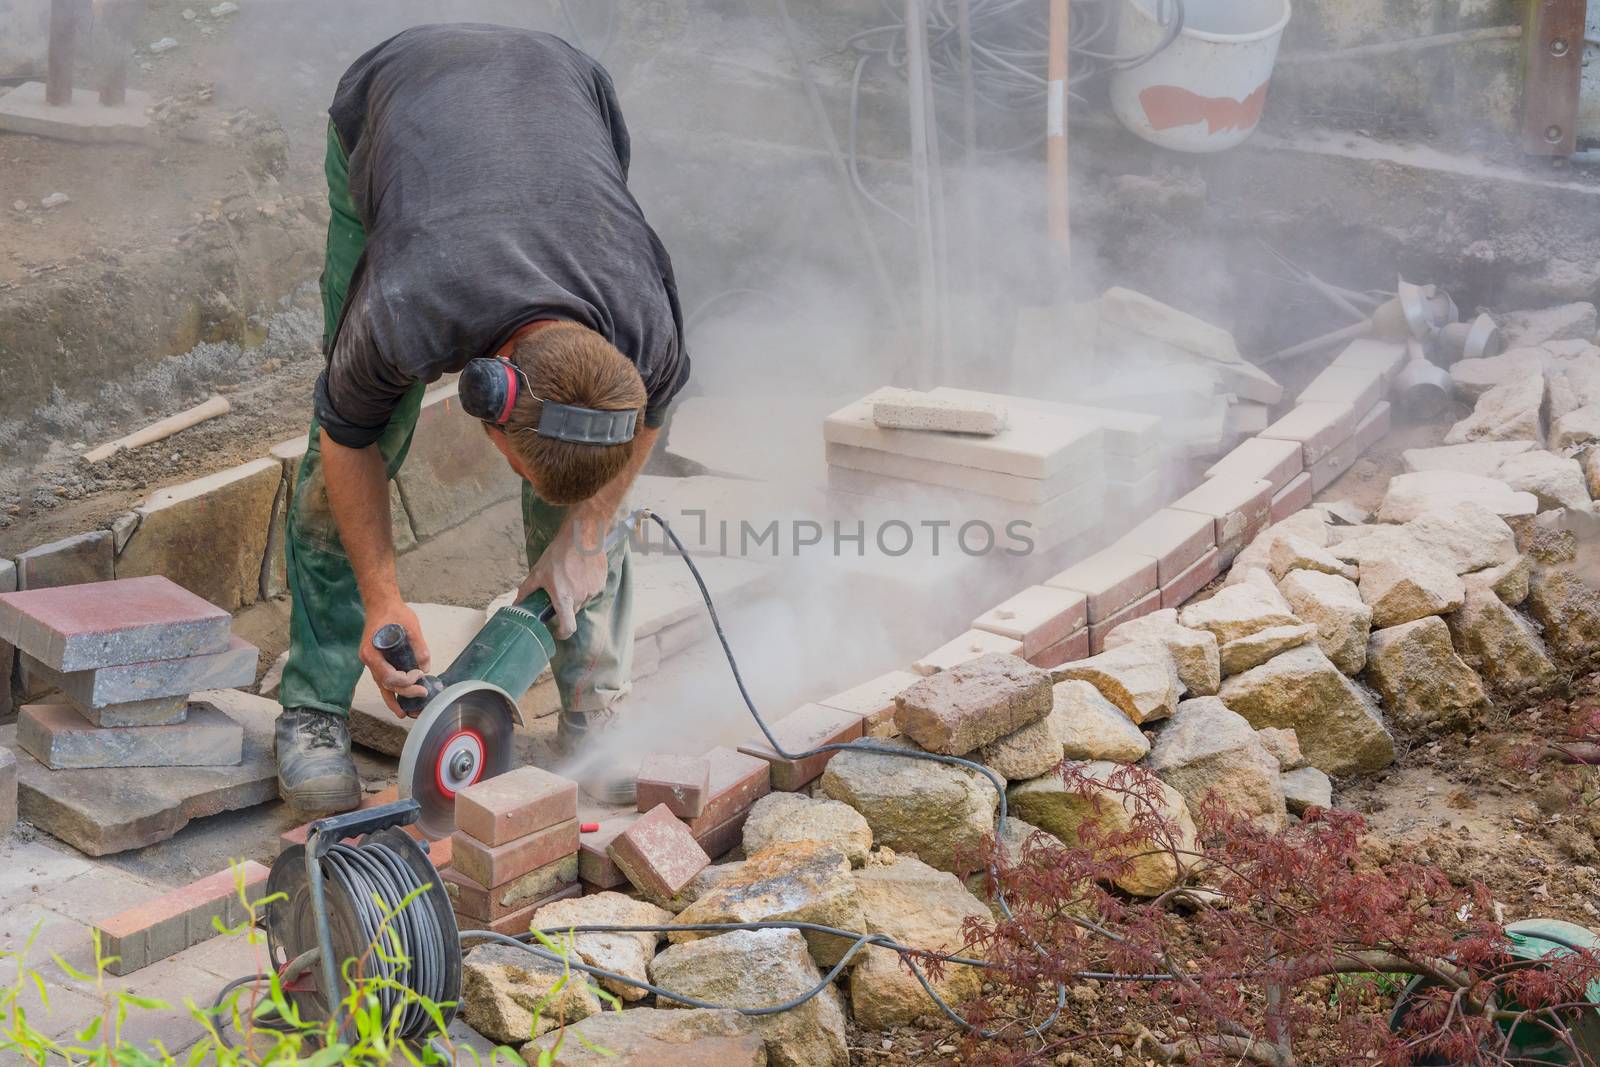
{"x": 487, "y": 904}
{"x": 60, "y": 738}
{"x": 1318, "y": 428}
{"x": 1175, "y": 538}
{"x": 874, "y": 701}
{"x": 109, "y": 624}
{"x": 209, "y": 535}
{"x": 8, "y": 576}
{"x": 953, "y": 476}
{"x": 83, "y": 118}
{"x": 1192, "y": 580}
{"x": 1136, "y": 497}
{"x": 594, "y": 861}
{"x": 1235, "y": 504}
{"x": 495, "y": 865}
{"x": 519, "y": 921}
{"x": 1261, "y": 457}
{"x": 85, "y": 557}
{"x": 1358, "y": 387}
{"x": 520, "y": 802}
{"x": 1060, "y": 516}
{"x": 807, "y": 727}
{"x": 1292, "y": 497}
{"x": 1111, "y": 579}
{"x": 969, "y": 646}
{"x": 1074, "y": 646}
{"x": 1123, "y": 433}
{"x": 158, "y": 711}
{"x": 452, "y": 471}
{"x": 1145, "y": 605}
{"x": 232, "y": 668}
{"x": 1039, "y": 616}
{"x": 909, "y": 409}
{"x": 8, "y": 791}
{"x": 1246, "y": 417}
{"x": 180, "y": 919}
{"x": 681, "y": 784}
{"x": 658, "y": 854}
{"x": 1373, "y": 425}
{"x": 737, "y": 781}
{"x": 1385, "y": 356}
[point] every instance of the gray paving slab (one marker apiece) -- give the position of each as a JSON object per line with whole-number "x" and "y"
{"x": 58, "y": 736}
{"x": 127, "y": 683}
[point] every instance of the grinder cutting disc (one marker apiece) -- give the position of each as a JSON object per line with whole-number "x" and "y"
{"x": 463, "y": 736}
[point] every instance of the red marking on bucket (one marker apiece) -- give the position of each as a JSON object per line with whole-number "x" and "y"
{"x": 1168, "y": 106}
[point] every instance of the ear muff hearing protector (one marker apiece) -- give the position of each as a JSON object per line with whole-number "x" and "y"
{"x": 489, "y": 389}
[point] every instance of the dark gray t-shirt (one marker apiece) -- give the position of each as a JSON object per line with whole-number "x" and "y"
{"x": 489, "y": 167}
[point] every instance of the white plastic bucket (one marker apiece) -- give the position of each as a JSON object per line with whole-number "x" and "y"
{"x": 1206, "y": 91}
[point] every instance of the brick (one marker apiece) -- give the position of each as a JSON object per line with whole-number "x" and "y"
{"x": 232, "y": 668}
{"x": 1319, "y": 428}
{"x": 486, "y": 904}
{"x": 1039, "y": 616}
{"x": 60, "y": 738}
{"x": 108, "y": 624}
{"x": 809, "y": 726}
{"x": 8, "y": 791}
{"x": 1176, "y": 538}
{"x": 658, "y": 854}
{"x": 1191, "y": 581}
{"x": 515, "y": 804}
{"x": 1261, "y": 457}
{"x": 959, "y": 710}
{"x": 723, "y": 838}
{"x": 1072, "y": 647}
{"x": 1292, "y": 497}
{"x": 518, "y": 922}
{"x": 162, "y": 711}
{"x": 682, "y": 784}
{"x": 909, "y": 409}
{"x": 495, "y": 865}
{"x": 1112, "y": 579}
{"x": 737, "y": 781}
{"x": 1359, "y": 387}
{"x": 969, "y": 646}
{"x": 925, "y": 472}
{"x": 1146, "y": 604}
{"x": 1234, "y": 504}
{"x": 873, "y": 700}
{"x": 177, "y": 920}
{"x": 452, "y": 471}
{"x": 1368, "y": 431}
{"x": 594, "y": 862}
{"x": 1386, "y": 356}
{"x": 85, "y": 557}
{"x": 1246, "y": 417}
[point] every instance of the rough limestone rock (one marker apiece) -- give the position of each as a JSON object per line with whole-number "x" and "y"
{"x": 1423, "y": 682}
{"x": 1576, "y": 428}
{"x": 1510, "y": 580}
{"x": 1139, "y": 678}
{"x": 1240, "y": 610}
{"x": 1474, "y": 377}
{"x": 958, "y": 710}
{"x": 1569, "y": 610}
{"x": 1511, "y": 411}
{"x": 1290, "y": 552}
{"x": 1301, "y": 690}
{"x": 931, "y": 809}
{"x": 703, "y": 883}
{"x": 1574, "y": 384}
{"x": 655, "y": 1037}
{"x": 1284, "y": 746}
{"x": 1255, "y": 649}
{"x": 1209, "y": 750}
{"x": 1306, "y": 787}
{"x": 800, "y": 881}
{"x": 1334, "y": 606}
{"x": 502, "y": 987}
{"x": 1062, "y": 812}
{"x": 781, "y": 818}
{"x": 628, "y": 954}
{"x": 1464, "y": 536}
{"x": 1482, "y": 458}
{"x": 1369, "y": 544}
{"x": 1411, "y": 495}
{"x": 1564, "y": 322}
{"x": 1194, "y": 652}
{"x": 754, "y": 969}
{"x": 918, "y": 906}
{"x": 1498, "y": 643}
{"x": 1309, "y": 525}
{"x": 1558, "y": 482}
{"x": 1093, "y": 728}
{"x": 1025, "y": 753}
{"x": 1590, "y": 460}
{"x": 1408, "y": 586}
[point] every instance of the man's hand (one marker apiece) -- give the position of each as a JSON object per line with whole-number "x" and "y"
{"x": 392, "y": 683}
{"x": 572, "y": 570}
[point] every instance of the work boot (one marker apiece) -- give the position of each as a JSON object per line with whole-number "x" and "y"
{"x": 605, "y": 777}
{"x": 316, "y": 775}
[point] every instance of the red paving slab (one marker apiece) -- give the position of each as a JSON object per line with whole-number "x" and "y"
{"x": 174, "y": 921}
{"x": 658, "y": 854}
{"x": 594, "y": 861}
{"x": 109, "y": 624}
{"x": 808, "y": 727}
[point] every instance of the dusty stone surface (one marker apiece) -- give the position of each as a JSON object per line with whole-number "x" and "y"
{"x": 1574, "y": 383}
{"x": 1306, "y": 787}
{"x": 1284, "y": 746}
{"x": 1408, "y": 586}
{"x": 931, "y": 809}
{"x": 1590, "y": 461}
{"x": 1496, "y": 641}
{"x": 803, "y": 881}
{"x": 1338, "y": 727}
{"x": 628, "y": 954}
{"x": 920, "y": 907}
{"x": 1464, "y": 536}
{"x": 1411, "y": 495}
{"x": 1524, "y": 329}
{"x": 1028, "y": 752}
{"x": 1511, "y": 411}
{"x": 1048, "y": 804}
{"x": 703, "y": 883}
{"x": 1208, "y": 750}
{"x": 1424, "y": 684}
{"x": 1139, "y": 678}
{"x": 59, "y": 737}
{"x": 1334, "y": 606}
{"x": 1255, "y": 649}
{"x": 1290, "y": 552}
{"x": 1482, "y": 458}
{"x": 782, "y": 818}
{"x": 1558, "y": 482}
{"x": 1194, "y": 652}
{"x": 1578, "y": 427}
{"x": 961, "y": 709}
{"x": 755, "y": 968}
{"x": 1569, "y": 610}
{"x": 1474, "y": 377}
{"x": 1510, "y": 580}
{"x": 502, "y": 987}
{"x": 1093, "y": 728}
{"x": 655, "y": 1037}
{"x": 1240, "y": 610}
{"x": 1309, "y": 524}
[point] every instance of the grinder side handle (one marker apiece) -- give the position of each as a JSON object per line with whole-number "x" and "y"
{"x": 395, "y": 645}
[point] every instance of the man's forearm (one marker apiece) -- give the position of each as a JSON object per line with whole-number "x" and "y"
{"x": 358, "y": 493}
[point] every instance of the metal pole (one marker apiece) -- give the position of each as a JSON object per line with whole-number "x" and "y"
{"x": 63, "y": 43}
{"x": 1056, "y": 128}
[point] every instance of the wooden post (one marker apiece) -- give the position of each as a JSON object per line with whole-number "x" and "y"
{"x": 63, "y": 45}
{"x": 118, "y": 19}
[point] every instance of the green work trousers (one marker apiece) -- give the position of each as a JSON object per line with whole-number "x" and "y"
{"x": 591, "y": 668}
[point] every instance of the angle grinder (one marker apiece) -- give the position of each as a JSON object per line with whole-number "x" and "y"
{"x": 466, "y": 723}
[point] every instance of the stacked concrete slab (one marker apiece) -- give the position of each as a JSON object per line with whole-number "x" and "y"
{"x": 515, "y": 849}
